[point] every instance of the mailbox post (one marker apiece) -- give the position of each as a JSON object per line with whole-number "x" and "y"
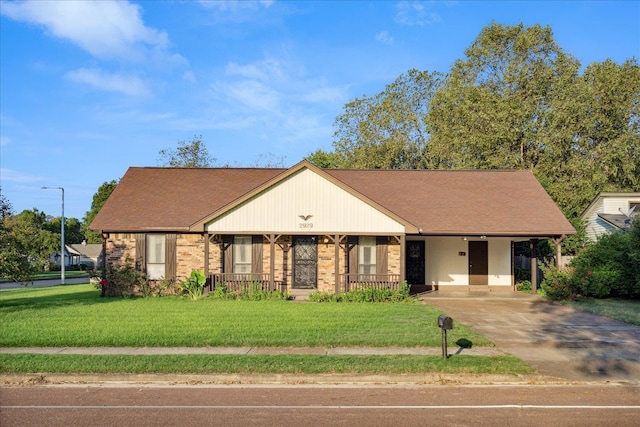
{"x": 445, "y": 323}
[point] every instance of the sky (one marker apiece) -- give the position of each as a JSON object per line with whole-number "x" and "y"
{"x": 89, "y": 89}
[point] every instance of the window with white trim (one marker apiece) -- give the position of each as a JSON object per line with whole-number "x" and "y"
{"x": 155, "y": 247}
{"x": 367, "y": 255}
{"x": 242, "y": 254}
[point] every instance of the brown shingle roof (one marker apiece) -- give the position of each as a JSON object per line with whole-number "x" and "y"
{"x": 486, "y": 202}
{"x": 174, "y": 199}
{"x": 438, "y": 202}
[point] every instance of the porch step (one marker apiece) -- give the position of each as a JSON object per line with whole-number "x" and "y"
{"x": 419, "y": 289}
{"x": 300, "y": 294}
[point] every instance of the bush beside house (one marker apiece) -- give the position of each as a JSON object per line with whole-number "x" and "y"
{"x": 608, "y": 268}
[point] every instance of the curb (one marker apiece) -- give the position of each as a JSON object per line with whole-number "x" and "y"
{"x": 213, "y": 380}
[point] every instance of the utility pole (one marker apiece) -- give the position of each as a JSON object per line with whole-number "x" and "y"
{"x": 62, "y": 258}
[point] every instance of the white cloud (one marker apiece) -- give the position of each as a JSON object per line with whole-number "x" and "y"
{"x": 106, "y": 29}
{"x": 15, "y": 176}
{"x": 273, "y": 85}
{"x": 129, "y": 85}
{"x": 253, "y": 94}
{"x": 325, "y": 95}
{"x": 384, "y": 37}
{"x": 264, "y": 70}
{"x": 416, "y": 13}
{"x": 235, "y": 5}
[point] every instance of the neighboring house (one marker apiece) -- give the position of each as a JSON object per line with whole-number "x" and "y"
{"x": 325, "y": 229}
{"x": 609, "y": 212}
{"x": 77, "y": 254}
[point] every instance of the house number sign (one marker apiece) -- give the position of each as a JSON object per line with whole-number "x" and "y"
{"x": 306, "y": 223}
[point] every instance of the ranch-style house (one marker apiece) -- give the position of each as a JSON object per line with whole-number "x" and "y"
{"x": 306, "y": 228}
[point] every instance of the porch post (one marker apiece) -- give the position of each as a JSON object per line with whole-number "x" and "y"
{"x": 403, "y": 255}
{"x": 513, "y": 267}
{"x": 222, "y": 256}
{"x": 206, "y": 255}
{"x": 336, "y": 243}
{"x": 272, "y": 264}
{"x": 534, "y": 266}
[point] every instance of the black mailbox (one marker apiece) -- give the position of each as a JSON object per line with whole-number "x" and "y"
{"x": 445, "y": 322}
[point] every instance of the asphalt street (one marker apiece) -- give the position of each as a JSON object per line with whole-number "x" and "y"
{"x": 246, "y": 405}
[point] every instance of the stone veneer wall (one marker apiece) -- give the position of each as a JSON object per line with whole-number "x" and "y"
{"x": 190, "y": 256}
{"x": 119, "y": 247}
{"x": 326, "y": 265}
{"x": 215, "y": 257}
{"x": 393, "y": 257}
{"x": 282, "y": 273}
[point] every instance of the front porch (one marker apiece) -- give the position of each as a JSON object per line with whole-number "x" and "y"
{"x": 242, "y": 282}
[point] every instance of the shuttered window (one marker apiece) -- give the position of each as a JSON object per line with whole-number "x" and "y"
{"x": 242, "y": 248}
{"x": 367, "y": 255}
{"x": 155, "y": 256}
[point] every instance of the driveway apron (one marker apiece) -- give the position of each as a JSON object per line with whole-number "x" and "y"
{"x": 558, "y": 341}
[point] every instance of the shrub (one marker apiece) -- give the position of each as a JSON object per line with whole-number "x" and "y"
{"x": 557, "y": 282}
{"x": 524, "y": 286}
{"x": 250, "y": 291}
{"x": 86, "y": 266}
{"x": 368, "y": 294}
{"x": 124, "y": 280}
{"x": 631, "y": 275}
{"x": 609, "y": 267}
{"x": 162, "y": 287}
{"x": 194, "y": 284}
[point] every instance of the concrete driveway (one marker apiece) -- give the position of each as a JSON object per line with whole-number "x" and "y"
{"x": 556, "y": 340}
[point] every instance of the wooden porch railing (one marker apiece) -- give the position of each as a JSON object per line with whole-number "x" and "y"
{"x": 350, "y": 282}
{"x": 236, "y": 282}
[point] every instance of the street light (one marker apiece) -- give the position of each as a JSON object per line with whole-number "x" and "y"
{"x": 61, "y": 233}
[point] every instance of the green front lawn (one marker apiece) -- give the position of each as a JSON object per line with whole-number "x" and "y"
{"x": 261, "y": 364}
{"x": 625, "y": 310}
{"x": 75, "y": 315}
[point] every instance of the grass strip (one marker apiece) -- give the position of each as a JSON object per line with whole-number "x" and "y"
{"x": 261, "y": 364}
{"x": 76, "y": 316}
{"x": 53, "y": 275}
{"x": 624, "y": 310}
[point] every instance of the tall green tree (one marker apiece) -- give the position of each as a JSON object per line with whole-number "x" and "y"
{"x": 28, "y": 232}
{"x": 99, "y": 199}
{"x": 72, "y": 228}
{"x": 516, "y": 100}
{"x": 388, "y": 130}
{"x": 325, "y": 159}
{"x": 192, "y": 154}
{"x": 14, "y": 260}
{"x": 597, "y": 136}
{"x": 494, "y": 109}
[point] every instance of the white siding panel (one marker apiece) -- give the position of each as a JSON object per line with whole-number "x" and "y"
{"x": 614, "y": 205}
{"x": 332, "y": 210}
{"x": 499, "y": 262}
{"x": 444, "y": 264}
{"x": 608, "y": 204}
{"x": 446, "y": 267}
